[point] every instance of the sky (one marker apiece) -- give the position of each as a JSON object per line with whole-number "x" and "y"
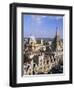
{"x": 42, "y": 26}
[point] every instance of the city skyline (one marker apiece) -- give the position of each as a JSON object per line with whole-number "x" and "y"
{"x": 42, "y": 26}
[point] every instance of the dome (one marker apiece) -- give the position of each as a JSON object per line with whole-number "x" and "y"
{"x": 32, "y": 39}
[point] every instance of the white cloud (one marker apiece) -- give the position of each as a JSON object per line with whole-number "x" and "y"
{"x": 38, "y": 18}
{"x": 56, "y": 17}
{"x": 59, "y": 17}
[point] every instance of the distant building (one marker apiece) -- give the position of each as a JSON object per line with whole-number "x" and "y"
{"x": 41, "y": 56}
{"x": 57, "y": 47}
{"x": 34, "y": 45}
{"x": 57, "y": 43}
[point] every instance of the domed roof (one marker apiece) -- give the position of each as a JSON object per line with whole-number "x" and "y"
{"x": 32, "y": 37}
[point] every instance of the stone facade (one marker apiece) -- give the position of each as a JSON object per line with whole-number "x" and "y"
{"x": 41, "y": 58}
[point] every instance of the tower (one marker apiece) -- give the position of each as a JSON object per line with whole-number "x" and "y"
{"x": 56, "y": 43}
{"x": 57, "y": 39}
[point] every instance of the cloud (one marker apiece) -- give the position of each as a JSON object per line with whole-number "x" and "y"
{"x": 38, "y": 18}
{"x": 56, "y": 17}
{"x": 59, "y": 17}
